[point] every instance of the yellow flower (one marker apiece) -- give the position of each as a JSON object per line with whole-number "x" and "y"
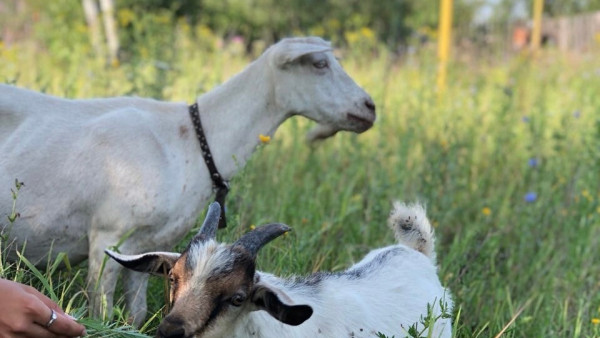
{"x": 264, "y": 138}
{"x": 444, "y": 144}
{"x": 486, "y": 211}
{"x": 252, "y": 226}
{"x": 595, "y": 321}
{"x": 587, "y": 195}
{"x": 125, "y": 17}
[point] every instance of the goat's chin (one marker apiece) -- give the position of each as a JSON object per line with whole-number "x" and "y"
{"x": 320, "y": 132}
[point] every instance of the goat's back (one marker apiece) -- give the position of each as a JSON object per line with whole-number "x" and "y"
{"x": 386, "y": 291}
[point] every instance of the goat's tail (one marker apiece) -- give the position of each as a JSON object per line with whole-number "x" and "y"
{"x": 412, "y": 228}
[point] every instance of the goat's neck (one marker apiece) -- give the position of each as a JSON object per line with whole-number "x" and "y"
{"x": 236, "y": 113}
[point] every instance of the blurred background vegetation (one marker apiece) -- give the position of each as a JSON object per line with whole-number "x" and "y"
{"x": 508, "y": 159}
{"x": 150, "y": 27}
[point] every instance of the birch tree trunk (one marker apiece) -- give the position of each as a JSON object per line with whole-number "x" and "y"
{"x": 90, "y": 8}
{"x": 110, "y": 28}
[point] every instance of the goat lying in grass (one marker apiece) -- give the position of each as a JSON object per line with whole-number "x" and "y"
{"x": 100, "y": 171}
{"x": 216, "y": 291}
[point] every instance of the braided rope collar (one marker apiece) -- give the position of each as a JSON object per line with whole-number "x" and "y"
{"x": 219, "y": 184}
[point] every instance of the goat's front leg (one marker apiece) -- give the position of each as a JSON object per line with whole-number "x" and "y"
{"x": 102, "y": 279}
{"x": 135, "y": 286}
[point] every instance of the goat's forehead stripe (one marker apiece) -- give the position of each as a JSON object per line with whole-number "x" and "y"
{"x": 207, "y": 258}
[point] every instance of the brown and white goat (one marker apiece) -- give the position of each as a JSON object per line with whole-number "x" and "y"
{"x": 217, "y": 292}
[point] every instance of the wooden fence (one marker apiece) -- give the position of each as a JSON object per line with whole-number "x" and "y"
{"x": 577, "y": 33}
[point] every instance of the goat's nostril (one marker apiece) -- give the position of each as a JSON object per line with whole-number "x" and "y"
{"x": 370, "y": 104}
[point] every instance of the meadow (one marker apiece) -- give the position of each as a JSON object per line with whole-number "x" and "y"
{"x": 507, "y": 160}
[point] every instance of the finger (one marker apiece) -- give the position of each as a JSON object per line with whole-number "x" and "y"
{"x": 41, "y": 315}
{"x": 38, "y": 331}
{"x": 64, "y": 325}
{"x": 49, "y": 302}
{"x": 37, "y": 311}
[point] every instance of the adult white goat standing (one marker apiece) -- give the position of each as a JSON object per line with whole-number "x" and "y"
{"x": 216, "y": 291}
{"x": 100, "y": 170}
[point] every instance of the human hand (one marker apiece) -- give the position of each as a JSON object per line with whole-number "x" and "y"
{"x": 25, "y": 312}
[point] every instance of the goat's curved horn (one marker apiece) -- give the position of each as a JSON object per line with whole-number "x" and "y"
{"x": 256, "y": 239}
{"x": 211, "y": 222}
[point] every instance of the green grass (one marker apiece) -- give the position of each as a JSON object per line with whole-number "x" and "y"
{"x": 514, "y": 267}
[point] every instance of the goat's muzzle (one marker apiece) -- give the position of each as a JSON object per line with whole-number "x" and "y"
{"x": 171, "y": 327}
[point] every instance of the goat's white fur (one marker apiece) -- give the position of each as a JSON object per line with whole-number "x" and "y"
{"x": 392, "y": 295}
{"x": 387, "y": 291}
{"x": 98, "y": 171}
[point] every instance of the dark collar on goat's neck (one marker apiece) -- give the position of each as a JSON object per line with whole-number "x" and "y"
{"x": 219, "y": 184}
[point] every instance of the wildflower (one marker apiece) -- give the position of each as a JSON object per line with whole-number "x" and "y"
{"x": 525, "y": 119}
{"x": 595, "y": 321}
{"x": 586, "y": 193}
{"x": 444, "y": 144}
{"x": 530, "y": 197}
{"x": 238, "y": 39}
{"x": 486, "y": 211}
{"x": 252, "y": 226}
{"x": 533, "y": 162}
{"x": 576, "y": 114}
{"x": 264, "y": 138}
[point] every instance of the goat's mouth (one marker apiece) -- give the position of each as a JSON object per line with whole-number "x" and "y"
{"x": 361, "y": 123}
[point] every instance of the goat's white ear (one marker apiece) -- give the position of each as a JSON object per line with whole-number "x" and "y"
{"x": 156, "y": 263}
{"x": 293, "y": 51}
{"x": 270, "y": 299}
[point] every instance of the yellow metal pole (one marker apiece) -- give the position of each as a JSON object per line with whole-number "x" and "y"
{"x": 536, "y": 31}
{"x": 445, "y": 34}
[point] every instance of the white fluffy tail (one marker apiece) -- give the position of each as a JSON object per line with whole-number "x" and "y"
{"x": 412, "y": 228}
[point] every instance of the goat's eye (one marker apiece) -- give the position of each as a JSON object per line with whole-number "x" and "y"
{"x": 172, "y": 279}
{"x": 321, "y": 64}
{"x": 237, "y": 299}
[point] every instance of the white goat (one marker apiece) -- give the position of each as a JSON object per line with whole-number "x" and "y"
{"x": 216, "y": 291}
{"x": 99, "y": 171}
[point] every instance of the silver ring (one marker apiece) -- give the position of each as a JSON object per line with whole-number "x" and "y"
{"x": 52, "y": 319}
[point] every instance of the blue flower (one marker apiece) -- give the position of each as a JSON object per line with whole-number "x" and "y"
{"x": 533, "y": 162}
{"x": 530, "y": 197}
{"x": 525, "y": 119}
{"x": 576, "y": 114}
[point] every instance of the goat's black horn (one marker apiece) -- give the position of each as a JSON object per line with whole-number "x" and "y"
{"x": 257, "y": 238}
{"x": 211, "y": 222}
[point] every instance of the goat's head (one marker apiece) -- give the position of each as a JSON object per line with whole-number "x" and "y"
{"x": 309, "y": 81}
{"x": 214, "y": 284}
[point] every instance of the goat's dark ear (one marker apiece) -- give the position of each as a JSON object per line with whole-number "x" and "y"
{"x": 156, "y": 263}
{"x": 292, "y": 52}
{"x": 269, "y": 299}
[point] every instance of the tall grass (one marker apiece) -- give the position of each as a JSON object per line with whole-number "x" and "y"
{"x": 507, "y": 161}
